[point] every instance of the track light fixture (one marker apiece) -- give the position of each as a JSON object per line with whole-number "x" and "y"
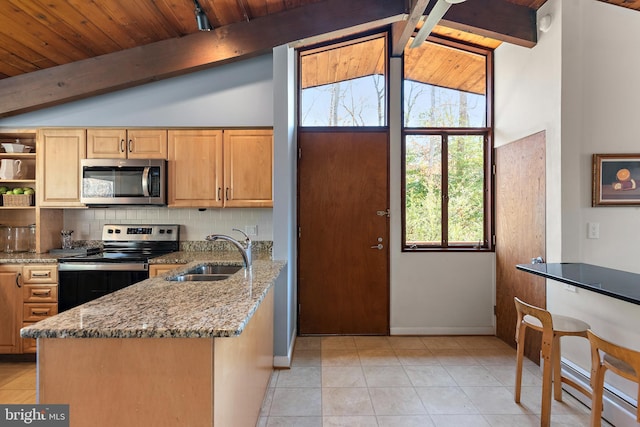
{"x": 201, "y": 18}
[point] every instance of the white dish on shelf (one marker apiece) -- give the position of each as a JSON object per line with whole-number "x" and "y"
{"x": 15, "y": 148}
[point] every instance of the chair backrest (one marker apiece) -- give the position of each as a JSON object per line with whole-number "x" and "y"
{"x": 628, "y": 356}
{"x": 541, "y": 314}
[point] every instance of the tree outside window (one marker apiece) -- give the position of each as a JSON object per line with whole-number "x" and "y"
{"x": 446, "y": 150}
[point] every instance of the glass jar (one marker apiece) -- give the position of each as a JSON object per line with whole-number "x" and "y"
{"x": 17, "y": 238}
{"x": 32, "y": 238}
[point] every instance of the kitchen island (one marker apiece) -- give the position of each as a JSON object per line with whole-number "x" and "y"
{"x": 162, "y": 352}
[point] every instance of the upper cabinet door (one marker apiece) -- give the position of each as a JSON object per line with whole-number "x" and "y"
{"x": 106, "y": 144}
{"x": 59, "y": 177}
{"x": 248, "y": 168}
{"x": 195, "y": 168}
{"x": 147, "y": 144}
{"x": 123, "y": 144}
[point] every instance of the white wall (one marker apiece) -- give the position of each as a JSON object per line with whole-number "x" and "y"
{"x": 599, "y": 115}
{"x": 236, "y": 94}
{"x": 527, "y": 101}
{"x": 573, "y": 84}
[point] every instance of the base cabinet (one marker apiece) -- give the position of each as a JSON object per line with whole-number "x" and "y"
{"x": 10, "y": 308}
{"x": 29, "y": 294}
{"x": 161, "y": 381}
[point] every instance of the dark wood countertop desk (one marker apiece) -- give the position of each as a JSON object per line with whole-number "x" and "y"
{"x": 618, "y": 284}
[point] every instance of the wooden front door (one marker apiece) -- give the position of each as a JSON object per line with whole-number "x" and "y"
{"x": 343, "y": 275}
{"x": 520, "y": 233}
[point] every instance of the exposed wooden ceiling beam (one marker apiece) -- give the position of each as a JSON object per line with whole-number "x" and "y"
{"x": 402, "y": 31}
{"x": 173, "y": 57}
{"x": 497, "y": 19}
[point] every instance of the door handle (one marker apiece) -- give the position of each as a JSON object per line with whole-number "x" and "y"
{"x": 379, "y": 246}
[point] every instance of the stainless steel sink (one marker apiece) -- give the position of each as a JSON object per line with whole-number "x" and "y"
{"x": 206, "y": 273}
{"x": 199, "y": 277}
{"x": 214, "y": 269}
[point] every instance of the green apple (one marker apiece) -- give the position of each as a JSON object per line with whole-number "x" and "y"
{"x": 29, "y": 191}
{"x": 18, "y": 190}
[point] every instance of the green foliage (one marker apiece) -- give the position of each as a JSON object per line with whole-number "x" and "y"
{"x": 463, "y": 194}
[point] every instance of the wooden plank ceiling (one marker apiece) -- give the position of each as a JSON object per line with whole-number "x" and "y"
{"x": 43, "y": 42}
{"x": 432, "y": 63}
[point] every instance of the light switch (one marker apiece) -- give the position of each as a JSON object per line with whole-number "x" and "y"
{"x": 593, "y": 230}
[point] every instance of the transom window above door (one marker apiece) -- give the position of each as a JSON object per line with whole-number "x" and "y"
{"x": 344, "y": 84}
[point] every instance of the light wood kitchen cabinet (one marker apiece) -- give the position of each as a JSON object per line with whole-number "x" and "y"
{"x": 28, "y": 294}
{"x": 214, "y": 168}
{"x": 59, "y": 177}
{"x": 10, "y": 308}
{"x": 195, "y": 168}
{"x": 248, "y": 168}
{"x": 39, "y": 297}
{"x": 126, "y": 144}
{"x": 158, "y": 269}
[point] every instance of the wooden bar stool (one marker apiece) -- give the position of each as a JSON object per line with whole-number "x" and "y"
{"x": 623, "y": 361}
{"x": 553, "y": 327}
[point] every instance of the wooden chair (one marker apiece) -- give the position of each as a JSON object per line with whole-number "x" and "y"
{"x": 608, "y": 356}
{"x": 553, "y": 327}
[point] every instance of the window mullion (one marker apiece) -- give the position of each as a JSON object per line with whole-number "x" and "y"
{"x": 444, "y": 161}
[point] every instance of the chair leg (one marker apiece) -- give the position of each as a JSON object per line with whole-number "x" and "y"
{"x": 596, "y": 397}
{"x": 520, "y": 356}
{"x": 557, "y": 372}
{"x": 545, "y": 415}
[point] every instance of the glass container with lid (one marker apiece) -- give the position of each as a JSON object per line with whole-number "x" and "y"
{"x": 17, "y": 238}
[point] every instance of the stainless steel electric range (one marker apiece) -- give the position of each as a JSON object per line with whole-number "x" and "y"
{"x": 123, "y": 261}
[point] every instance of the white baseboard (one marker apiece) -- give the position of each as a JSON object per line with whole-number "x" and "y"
{"x": 619, "y": 409}
{"x": 480, "y": 330}
{"x": 285, "y": 361}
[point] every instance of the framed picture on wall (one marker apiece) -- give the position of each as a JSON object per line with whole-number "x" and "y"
{"x": 616, "y": 180}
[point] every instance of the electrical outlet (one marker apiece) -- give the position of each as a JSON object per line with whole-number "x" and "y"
{"x": 593, "y": 230}
{"x": 251, "y": 230}
{"x": 570, "y": 288}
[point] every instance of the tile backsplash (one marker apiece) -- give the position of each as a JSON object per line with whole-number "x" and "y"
{"x": 196, "y": 224}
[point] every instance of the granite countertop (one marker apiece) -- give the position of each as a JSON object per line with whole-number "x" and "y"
{"x": 158, "y": 308}
{"x": 617, "y": 284}
{"x": 28, "y": 258}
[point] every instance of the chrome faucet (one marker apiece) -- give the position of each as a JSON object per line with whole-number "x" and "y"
{"x": 244, "y": 247}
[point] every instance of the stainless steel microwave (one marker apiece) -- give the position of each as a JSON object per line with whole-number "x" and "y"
{"x": 123, "y": 182}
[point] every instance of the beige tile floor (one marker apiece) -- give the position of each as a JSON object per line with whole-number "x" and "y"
{"x": 408, "y": 381}
{"x": 385, "y": 381}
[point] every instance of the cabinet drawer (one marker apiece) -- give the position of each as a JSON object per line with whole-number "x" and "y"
{"x": 40, "y": 293}
{"x": 40, "y": 273}
{"x": 34, "y": 312}
{"x": 28, "y": 344}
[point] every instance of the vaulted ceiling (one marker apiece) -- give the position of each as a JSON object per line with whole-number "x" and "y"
{"x": 54, "y": 51}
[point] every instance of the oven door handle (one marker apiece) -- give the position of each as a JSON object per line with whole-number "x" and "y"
{"x": 145, "y": 181}
{"x": 115, "y": 266}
